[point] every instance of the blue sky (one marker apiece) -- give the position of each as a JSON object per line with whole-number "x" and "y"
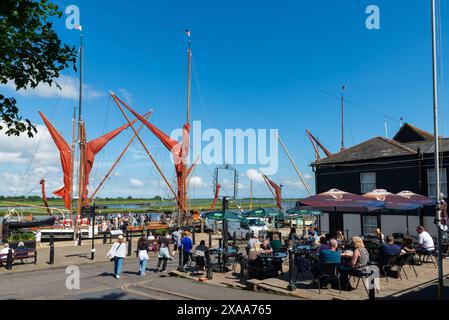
{"x": 257, "y": 64}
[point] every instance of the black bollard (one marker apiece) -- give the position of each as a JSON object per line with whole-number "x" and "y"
{"x": 80, "y": 236}
{"x": 52, "y": 249}
{"x": 105, "y": 239}
{"x": 208, "y": 265}
{"x": 130, "y": 244}
{"x": 193, "y": 235}
{"x": 291, "y": 285}
{"x": 243, "y": 270}
{"x": 181, "y": 258}
{"x": 210, "y": 240}
{"x": 372, "y": 289}
{"x": 9, "y": 260}
{"x": 235, "y": 238}
{"x": 127, "y": 235}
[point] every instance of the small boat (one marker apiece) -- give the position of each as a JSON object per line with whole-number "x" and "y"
{"x": 34, "y": 223}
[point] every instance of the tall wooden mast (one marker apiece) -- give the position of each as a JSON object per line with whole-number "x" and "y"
{"x": 183, "y": 191}
{"x": 81, "y": 137}
{"x": 72, "y": 173}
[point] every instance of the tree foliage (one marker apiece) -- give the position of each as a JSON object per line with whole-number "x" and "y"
{"x": 30, "y": 53}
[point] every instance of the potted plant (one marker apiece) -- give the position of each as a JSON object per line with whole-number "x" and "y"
{"x": 28, "y": 239}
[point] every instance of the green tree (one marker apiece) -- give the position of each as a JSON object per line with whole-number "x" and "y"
{"x": 30, "y": 53}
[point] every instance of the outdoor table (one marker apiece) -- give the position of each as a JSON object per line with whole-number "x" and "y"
{"x": 267, "y": 264}
{"x": 303, "y": 247}
{"x": 220, "y": 253}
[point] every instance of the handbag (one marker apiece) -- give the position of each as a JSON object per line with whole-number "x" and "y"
{"x": 113, "y": 258}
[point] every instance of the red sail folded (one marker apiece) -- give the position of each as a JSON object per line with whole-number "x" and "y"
{"x": 66, "y": 161}
{"x": 178, "y": 150}
{"x": 277, "y": 191}
{"x": 92, "y": 148}
{"x": 217, "y": 192}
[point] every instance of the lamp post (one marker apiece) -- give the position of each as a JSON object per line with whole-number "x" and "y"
{"x": 92, "y": 219}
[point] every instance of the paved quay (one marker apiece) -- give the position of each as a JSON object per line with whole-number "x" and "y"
{"x": 422, "y": 287}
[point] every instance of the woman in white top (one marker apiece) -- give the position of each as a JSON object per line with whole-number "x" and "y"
{"x": 117, "y": 254}
{"x": 39, "y": 238}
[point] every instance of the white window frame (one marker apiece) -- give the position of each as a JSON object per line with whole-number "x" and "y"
{"x": 431, "y": 183}
{"x": 372, "y": 227}
{"x": 367, "y": 186}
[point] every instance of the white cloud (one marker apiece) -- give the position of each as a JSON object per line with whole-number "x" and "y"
{"x": 294, "y": 184}
{"x": 308, "y": 176}
{"x": 22, "y": 149}
{"x": 125, "y": 95}
{"x": 69, "y": 89}
{"x": 197, "y": 182}
{"x": 254, "y": 175}
{"x": 136, "y": 183}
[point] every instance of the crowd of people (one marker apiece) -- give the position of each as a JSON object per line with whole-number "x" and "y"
{"x": 355, "y": 262}
{"x": 165, "y": 244}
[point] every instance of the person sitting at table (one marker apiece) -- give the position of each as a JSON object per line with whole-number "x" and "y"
{"x": 329, "y": 255}
{"x": 312, "y": 235}
{"x": 265, "y": 246}
{"x": 292, "y": 236}
{"x": 407, "y": 245}
{"x": 357, "y": 265}
{"x": 340, "y": 236}
{"x": 386, "y": 250}
{"x": 200, "y": 255}
{"x": 253, "y": 247}
{"x": 276, "y": 244}
{"x": 380, "y": 235}
{"x": 323, "y": 244}
{"x": 251, "y": 242}
{"x": 425, "y": 241}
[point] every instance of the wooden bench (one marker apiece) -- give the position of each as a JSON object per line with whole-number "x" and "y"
{"x": 20, "y": 255}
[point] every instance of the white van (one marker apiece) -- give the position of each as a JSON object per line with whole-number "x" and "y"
{"x": 241, "y": 229}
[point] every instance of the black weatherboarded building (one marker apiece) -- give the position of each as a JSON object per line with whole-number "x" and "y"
{"x": 405, "y": 162}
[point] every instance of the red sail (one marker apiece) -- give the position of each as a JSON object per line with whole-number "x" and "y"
{"x": 92, "y": 148}
{"x": 217, "y": 192}
{"x": 178, "y": 150}
{"x": 277, "y": 191}
{"x": 66, "y": 161}
{"x": 44, "y": 197}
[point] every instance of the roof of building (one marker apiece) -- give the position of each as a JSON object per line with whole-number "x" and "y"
{"x": 407, "y": 141}
{"x": 378, "y": 147}
{"x": 410, "y": 133}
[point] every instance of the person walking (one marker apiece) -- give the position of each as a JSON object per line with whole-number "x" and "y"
{"x": 177, "y": 235}
{"x": 186, "y": 245}
{"x": 39, "y": 238}
{"x": 163, "y": 243}
{"x": 117, "y": 253}
{"x": 142, "y": 253}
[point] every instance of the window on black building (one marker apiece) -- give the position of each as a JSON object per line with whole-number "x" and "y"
{"x": 431, "y": 182}
{"x": 367, "y": 182}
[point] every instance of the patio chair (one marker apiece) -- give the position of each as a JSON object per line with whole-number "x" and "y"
{"x": 425, "y": 256}
{"x": 361, "y": 276}
{"x": 407, "y": 259}
{"x": 302, "y": 266}
{"x": 390, "y": 262}
{"x": 328, "y": 271}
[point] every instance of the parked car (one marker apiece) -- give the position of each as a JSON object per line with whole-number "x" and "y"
{"x": 257, "y": 225}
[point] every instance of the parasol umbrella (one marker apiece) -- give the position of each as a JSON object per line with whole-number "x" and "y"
{"x": 394, "y": 202}
{"x": 423, "y": 200}
{"x": 227, "y": 215}
{"x": 265, "y": 213}
{"x": 337, "y": 200}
